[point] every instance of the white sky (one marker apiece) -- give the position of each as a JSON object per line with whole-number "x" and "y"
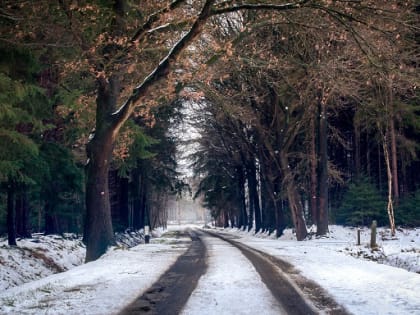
{"x": 106, "y": 285}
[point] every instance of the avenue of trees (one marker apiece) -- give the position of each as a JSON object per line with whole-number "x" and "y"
{"x": 304, "y": 121}
{"x": 303, "y": 107}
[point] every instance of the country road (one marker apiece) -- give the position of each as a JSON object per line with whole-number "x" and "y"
{"x": 195, "y": 285}
{"x": 193, "y": 271}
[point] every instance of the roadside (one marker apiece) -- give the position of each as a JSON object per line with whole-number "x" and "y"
{"x": 100, "y": 287}
{"x": 361, "y": 285}
{"x": 110, "y": 283}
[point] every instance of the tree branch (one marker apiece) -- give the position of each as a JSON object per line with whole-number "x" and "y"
{"x": 262, "y": 6}
{"x": 153, "y": 18}
{"x": 122, "y": 114}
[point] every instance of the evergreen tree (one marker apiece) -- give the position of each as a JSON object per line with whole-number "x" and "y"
{"x": 361, "y": 204}
{"x": 20, "y": 113}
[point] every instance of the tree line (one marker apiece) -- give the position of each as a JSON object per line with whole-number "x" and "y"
{"x": 89, "y": 91}
{"x": 306, "y": 122}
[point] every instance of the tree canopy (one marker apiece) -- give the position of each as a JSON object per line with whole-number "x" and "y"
{"x": 298, "y": 100}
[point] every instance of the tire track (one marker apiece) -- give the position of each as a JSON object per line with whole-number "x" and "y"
{"x": 298, "y": 295}
{"x": 170, "y": 293}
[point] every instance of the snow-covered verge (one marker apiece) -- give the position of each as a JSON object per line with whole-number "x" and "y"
{"x": 40, "y": 256}
{"x": 103, "y": 286}
{"x": 346, "y": 271}
{"x": 402, "y": 251}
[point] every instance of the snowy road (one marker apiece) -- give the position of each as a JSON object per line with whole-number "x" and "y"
{"x": 170, "y": 293}
{"x": 230, "y": 282}
{"x": 109, "y": 284}
{"x": 229, "y": 274}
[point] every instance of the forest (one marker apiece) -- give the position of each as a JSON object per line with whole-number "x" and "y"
{"x": 308, "y": 113}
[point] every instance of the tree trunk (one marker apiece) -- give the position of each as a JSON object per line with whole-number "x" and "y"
{"x": 137, "y": 199}
{"x": 99, "y": 230}
{"x": 241, "y": 195}
{"x": 118, "y": 187}
{"x": 99, "y": 222}
{"x": 50, "y": 218}
{"x": 252, "y": 191}
{"x": 278, "y": 208}
{"x": 239, "y": 189}
{"x": 267, "y": 207}
{"x": 11, "y": 224}
{"x": 295, "y": 204}
{"x": 357, "y": 154}
{"x": 123, "y": 202}
{"x": 146, "y": 205}
{"x": 390, "y": 207}
{"x": 322, "y": 220}
{"x": 394, "y": 159}
{"x": 314, "y": 175}
{"x": 22, "y": 213}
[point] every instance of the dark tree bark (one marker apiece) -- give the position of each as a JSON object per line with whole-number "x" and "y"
{"x": 322, "y": 220}
{"x": 22, "y": 213}
{"x": 394, "y": 159}
{"x": 254, "y": 202}
{"x": 280, "y": 221}
{"x": 99, "y": 150}
{"x": 357, "y": 154}
{"x": 123, "y": 202}
{"x": 50, "y": 218}
{"x": 368, "y": 157}
{"x": 314, "y": 175}
{"x": 139, "y": 199}
{"x": 268, "y": 209}
{"x": 242, "y": 218}
{"x": 268, "y": 198}
{"x": 226, "y": 218}
{"x": 295, "y": 204}
{"x": 11, "y": 219}
{"x": 118, "y": 187}
{"x": 250, "y": 175}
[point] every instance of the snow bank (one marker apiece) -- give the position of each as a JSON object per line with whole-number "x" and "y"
{"x": 38, "y": 257}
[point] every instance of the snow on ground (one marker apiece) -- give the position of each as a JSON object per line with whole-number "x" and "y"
{"x": 230, "y": 280}
{"x": 344, "y": 269}
{"x": 362, "y": 286}
{"x": 104, "y": 286}
{"x": 38, "y": 257}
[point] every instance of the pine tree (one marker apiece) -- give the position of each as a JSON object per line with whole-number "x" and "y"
{"x": 362, "y": 204}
